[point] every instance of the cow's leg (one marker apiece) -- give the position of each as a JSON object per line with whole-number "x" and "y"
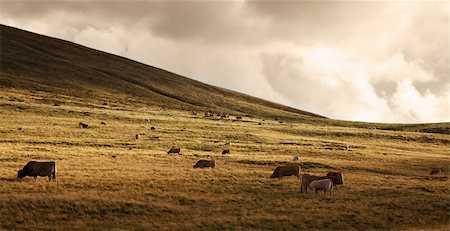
{"x": 54, "y": 174}
{"x": 304, "y": 189}
{"x": 35, "y": 177}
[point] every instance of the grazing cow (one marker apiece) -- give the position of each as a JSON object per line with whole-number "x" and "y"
{"x": 103, "y": 123}
{"x": 435, "y": 171}
{"x": 226, "y": 151}
{"x": 35, "y": 169}
{"x": 83, "y": 125}
{"x": 325, "y": 184}
{"x": 113, "y": 156}
{"x": 174, "y": 151}
{"x": 205, "y": 164}
{"x": 336, "y": 177}
{"x": 152, "y": 128}
{"x": 286, "y": 170}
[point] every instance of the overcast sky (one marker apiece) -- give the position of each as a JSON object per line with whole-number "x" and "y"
{"x": 365, "y": 61}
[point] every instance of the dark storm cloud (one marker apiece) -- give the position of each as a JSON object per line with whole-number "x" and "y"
{"x": 347, "y": 60}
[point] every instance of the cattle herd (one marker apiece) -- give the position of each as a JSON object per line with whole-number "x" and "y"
{"x": 315, "y": 183}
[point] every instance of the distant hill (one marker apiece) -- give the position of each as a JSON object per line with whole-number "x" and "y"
{"x": 35, "y": 62}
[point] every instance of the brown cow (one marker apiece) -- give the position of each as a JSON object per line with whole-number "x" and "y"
{"x": 226, "y": 151}
{"x": 174, "y": 151}
{"x": 205, "y": 164}
{"x": 286, "y": 170}
{"x": 35, "y": 169}
{"x": 336, "y": 177}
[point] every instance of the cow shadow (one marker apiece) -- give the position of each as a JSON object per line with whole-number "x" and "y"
{"x": 4, "y": 179}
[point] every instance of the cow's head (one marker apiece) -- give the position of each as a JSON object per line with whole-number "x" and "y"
{"x": 21, "y": 174}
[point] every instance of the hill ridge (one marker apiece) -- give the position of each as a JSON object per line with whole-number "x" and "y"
{"x": 65, "y": 65}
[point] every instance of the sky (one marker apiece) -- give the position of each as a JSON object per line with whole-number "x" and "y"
{"x": 373, "y": 61}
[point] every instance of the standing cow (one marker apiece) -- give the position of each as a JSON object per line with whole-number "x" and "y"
{"x": 286, "y": 170}
{"x": 205, "y": 164}
{"x": 336, "y": 177}
{"x": 174, "y": 151}
{"x": 35, "y": 169}
{"x": 325, "y": 184}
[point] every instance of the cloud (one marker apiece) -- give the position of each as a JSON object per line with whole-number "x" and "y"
{"x": 366, "y": 61}
{"x": 410, "y": 104}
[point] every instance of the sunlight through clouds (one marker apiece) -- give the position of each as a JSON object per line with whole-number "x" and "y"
{"x": 365, "y": 61}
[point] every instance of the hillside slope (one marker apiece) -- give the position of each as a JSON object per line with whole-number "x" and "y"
{"x": 35, "y": 62}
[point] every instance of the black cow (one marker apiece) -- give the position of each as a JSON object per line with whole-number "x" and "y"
{"x": 174, "y": 151}
{"x": 205, "y": 164}
{"x": 35, "y": 169}
{"x": 83, "y": 125}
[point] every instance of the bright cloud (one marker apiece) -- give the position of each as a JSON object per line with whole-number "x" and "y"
{"x": 365, "y": 61}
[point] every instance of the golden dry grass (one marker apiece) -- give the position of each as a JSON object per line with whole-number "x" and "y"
{"x": 387, "y": 182}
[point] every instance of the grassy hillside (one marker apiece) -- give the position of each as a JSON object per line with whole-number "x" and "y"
{"x": 34, "y": 62}
{"x": 386, "y": 166}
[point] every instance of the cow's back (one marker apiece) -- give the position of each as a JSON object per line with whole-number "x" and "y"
{"x": 287, "y": 170}
{"x": 40, "y": 168}
{"x": 307, "y": 179}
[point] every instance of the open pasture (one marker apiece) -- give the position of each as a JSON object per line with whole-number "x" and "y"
{"x": 108, "y": 179}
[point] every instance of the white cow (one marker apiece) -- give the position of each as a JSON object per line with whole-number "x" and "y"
{"x": 325, "y": 184}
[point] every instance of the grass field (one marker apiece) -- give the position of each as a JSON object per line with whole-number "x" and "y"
{"x": 387, "y": 182}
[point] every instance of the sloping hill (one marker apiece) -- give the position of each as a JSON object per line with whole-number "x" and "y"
{"x": 31, "y": 61}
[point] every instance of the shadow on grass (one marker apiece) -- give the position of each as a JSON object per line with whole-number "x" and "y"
{"x": 4, "y": 179}
{"x": 303, "y": 165}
